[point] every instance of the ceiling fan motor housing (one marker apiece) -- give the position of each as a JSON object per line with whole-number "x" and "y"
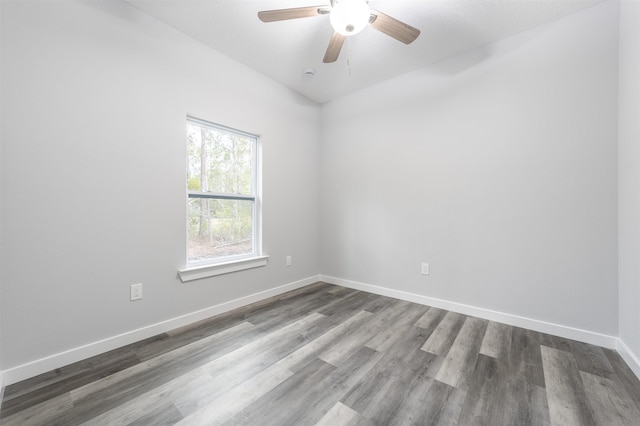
{"x": 349, "y": 17}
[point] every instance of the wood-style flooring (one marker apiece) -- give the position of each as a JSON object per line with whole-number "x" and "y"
{"x": 328, "y": 355}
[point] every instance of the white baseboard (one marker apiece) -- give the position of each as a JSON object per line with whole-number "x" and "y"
{"x": 43, "y": 365}
{"x": 34, "y": 368}
{"x": 628, "y": 356}
{"x": 514, "y": 320}
{"x": 1, "y": 386}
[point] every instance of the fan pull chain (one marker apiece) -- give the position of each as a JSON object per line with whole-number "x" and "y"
{"x": 349, "y": 58}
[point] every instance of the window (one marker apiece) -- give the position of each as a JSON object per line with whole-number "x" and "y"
{"x": 223, "y": 207}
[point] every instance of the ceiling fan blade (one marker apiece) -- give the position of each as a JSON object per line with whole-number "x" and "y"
{"x": 335, "y": 45}
{"x": 393, "y": 28}
{"x": 293, "y": 13}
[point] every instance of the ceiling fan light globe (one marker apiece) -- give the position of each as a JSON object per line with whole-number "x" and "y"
{"x": 349, "y": 17}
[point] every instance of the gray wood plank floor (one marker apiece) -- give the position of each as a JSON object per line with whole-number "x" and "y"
{"x": 327, "y": 355}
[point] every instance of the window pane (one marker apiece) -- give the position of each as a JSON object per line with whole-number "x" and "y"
{"x": 219, "y": 161}
{"x": 218, "y": 228}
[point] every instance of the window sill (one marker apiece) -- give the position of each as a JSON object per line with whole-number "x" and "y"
{"x": 199, "y": 272}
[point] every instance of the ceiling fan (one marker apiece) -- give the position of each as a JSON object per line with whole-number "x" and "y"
{"x": 348, "y": 17}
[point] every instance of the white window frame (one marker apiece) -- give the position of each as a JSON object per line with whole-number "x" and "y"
{"x": 224, "y": 265}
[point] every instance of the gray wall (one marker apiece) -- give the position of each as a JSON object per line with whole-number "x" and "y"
{"x": 500, "y": 173}
{"x": 629, "y": 175}
{"x": 1, "y": 191}
{"x": 94, "y": 100}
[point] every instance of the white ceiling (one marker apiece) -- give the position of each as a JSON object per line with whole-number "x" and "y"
{"x": 283, "y": 50}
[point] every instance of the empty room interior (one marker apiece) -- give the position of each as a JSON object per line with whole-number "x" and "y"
{"x": 433, "y": 221}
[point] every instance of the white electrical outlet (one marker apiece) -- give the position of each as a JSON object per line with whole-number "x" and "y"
{"x": 288, "y": 260}
{"x": 425, "y": 269}
{"x": 136, "y": 291}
